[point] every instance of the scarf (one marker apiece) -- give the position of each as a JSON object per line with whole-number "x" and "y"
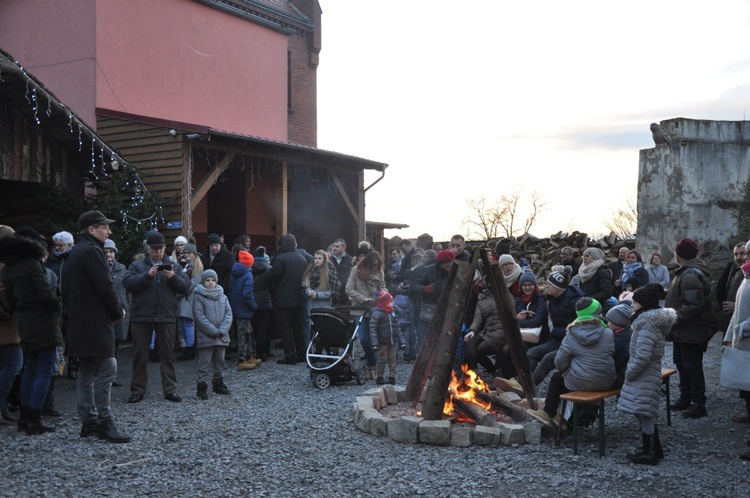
{"x": 527, "y": 298}
{"x": 587, "y": 271}
{"x": 746, "y": 269}
{"x": 628, "y": 271}
{"x": 363, "y": 274}
{"x": 513, "y": 277}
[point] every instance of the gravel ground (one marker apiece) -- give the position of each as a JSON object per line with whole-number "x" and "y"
{"x": 278, "y": 436}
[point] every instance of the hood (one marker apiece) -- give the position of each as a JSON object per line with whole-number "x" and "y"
{"x": 260, "y": 266}
{"x": 16, "y": 248}
{"x": 662, "y": 318}
{"x": 238, "y": 269}
{"x": 213, "y": 294}
{"x": 586, "y": 331}
{"x": 695, "y": 263}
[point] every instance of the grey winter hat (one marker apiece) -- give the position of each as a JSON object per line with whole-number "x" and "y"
{"x": 190, "y": 248}
{"x": 620, "y": 314}
{"x": 209, "y": 273}
{"x": 110, "y": 244}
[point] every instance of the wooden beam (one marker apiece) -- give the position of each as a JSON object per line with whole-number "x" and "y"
{"x": 344, "y": 195}
{"x": 447, "y": 341}
{"x": 209, "y": 180}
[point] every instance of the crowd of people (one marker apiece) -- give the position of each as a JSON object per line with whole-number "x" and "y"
{"x": 589, "y": 326}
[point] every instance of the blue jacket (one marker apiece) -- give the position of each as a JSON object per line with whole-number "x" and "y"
{"x": 241, "y": 292}
{"x": 562, "y": 311}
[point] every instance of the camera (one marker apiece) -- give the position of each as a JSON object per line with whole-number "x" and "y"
{"x": 164, "y": 267}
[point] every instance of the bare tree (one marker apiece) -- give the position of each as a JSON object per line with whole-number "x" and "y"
{"x": 503, "y": 217}
{"x": 623, "y": 221}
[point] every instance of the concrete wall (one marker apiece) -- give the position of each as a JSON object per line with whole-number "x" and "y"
{"x": 691, "y": 188}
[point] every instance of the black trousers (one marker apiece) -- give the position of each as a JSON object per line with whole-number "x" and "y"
{"x": 689, "y": 361}
{"x": 291, "y": 327}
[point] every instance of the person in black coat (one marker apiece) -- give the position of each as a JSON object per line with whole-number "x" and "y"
{"x": 618, "y": 321}
{"x": 37, "y": 312}
{"x": 93, "y": 306}
{"x": 264, "y": 303}
{"x": 343, "y": 262}
{"x": 218, "y": 259}
{"x": 286, "y": 274}
{"x": 155, "y": 289}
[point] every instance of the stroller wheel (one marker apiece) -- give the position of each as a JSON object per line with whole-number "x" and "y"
{"x": 359, "y": 377}
{"x": 321, "y": 381}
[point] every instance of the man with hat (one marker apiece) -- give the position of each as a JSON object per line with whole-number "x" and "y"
{"x": 218, "y": 259}
{"x": 155, "y": 288}
{"x": 93, "y": 308}
{"x": 690, "y": 296}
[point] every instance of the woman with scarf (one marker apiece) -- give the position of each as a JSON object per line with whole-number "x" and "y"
{"x": 531, "y": 310}
{"x": 594, "y": 277}
{"x": 641, "y": 391}
{"x": 365, "y": 282}
{"x": 321, "y": 284}
{"x": 633, "y": 268}
{"x": 512, "y": 272}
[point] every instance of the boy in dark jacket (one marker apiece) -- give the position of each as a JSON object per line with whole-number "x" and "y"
{"x": 242, "y": 299}
{"x": 618, "y": 320}
{"x": 385, "y": 336}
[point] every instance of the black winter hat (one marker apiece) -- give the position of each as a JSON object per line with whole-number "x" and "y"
{"x": 560, "y": 279}
{"x": 214, "y": 238}
{"x": 649, "y": 296}
{"x": 156, "y": 239}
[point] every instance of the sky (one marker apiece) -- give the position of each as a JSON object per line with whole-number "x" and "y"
{"x": 480, "y": 98}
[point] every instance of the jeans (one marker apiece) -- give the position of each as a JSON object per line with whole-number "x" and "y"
{"x": 186, "y": 331}
{"x": 410, "y": 336}
{"x": 94, "y": 388}
{"x": 689, "y": 361}
{"x": 363, "y": 331}
{"x": 11, "y": 362}
{"x": 39, "y": 367}
{"x": 542, "y": 360}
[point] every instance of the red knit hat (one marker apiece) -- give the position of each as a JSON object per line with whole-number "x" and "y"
{"x": 687, "y": 248}
{"x": 384, "y": 299}
{"x": 246, "y": 258}
{"x": 445, "y": 256}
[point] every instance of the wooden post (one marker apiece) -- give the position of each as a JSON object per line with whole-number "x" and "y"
{"x": 447, "y": 341}
{"x": 506, "y": 311}
{"x": 426, "y": 356}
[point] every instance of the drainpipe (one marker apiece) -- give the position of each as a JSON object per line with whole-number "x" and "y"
{"x": 382, "y": 175}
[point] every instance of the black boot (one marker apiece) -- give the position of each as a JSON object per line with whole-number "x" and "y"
{"x": 73, "y": 368}
{"x": 108, "y": 431}
{"x": 220, "y": 387}
{"x": 658, "y": 450}
{"x": 646, "y": 456}
{"x": 202, "y": 392}
{"x": 23, "y": 419}
{"x": 36, "y": 425}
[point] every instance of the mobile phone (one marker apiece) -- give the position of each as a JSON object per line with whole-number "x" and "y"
{"x": 164, "y": 267}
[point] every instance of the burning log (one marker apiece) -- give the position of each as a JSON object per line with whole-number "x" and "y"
{"x": 474, "y": 411}
{"x": 516, "y": 412}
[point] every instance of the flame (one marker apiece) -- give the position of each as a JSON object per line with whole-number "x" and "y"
{"x": 464, "y": 389}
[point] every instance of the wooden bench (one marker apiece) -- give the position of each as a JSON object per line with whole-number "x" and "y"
{"x": 593, "y": 402}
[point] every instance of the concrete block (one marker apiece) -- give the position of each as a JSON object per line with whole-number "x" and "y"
{"x": 462, "y": 436}
{"x": 379, "y": 395}
{"x": 404, "y": 429}
{"x": 379, "y": 425}
{"x": 512, "y": 434}
{"x": 391, "y": 397}
{"x": 363, "y": 422}
{"x": 366, "y": 402}
{"x": 487, "y": 436}
{"x": 533, "y": 432}
{"x": 437, "y": 432}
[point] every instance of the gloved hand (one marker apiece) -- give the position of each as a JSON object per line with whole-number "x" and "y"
{"x": 429, "y": 289}
{"x": 477, "y": 289}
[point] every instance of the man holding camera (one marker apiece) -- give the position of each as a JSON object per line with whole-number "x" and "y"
{"x": 155, "y": 288}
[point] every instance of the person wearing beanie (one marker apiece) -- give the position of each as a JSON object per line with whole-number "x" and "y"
{"x": 191, "y": 267}
{"x": 595, "y": 277}
{"x": 584, "y": 361}
{"x": 156, "y": 287}
{"x": 618, "y": 321}
{"x": 690, "y": 296}
{"x": 365, "y": 282}
{"x": 263, "y": 302}
{"x": 362, "y": 251}
{"x": 260, "y": 253}
{"x": 561, "y": 306}
{"x": 531, "y": 310}
{"x": 219, "y": 259}
{"x": 286, "y": 273}
{"x": 641, "y": 390}
{"x": 385, "y": 336}
{"x": 213, "y": 319}
{"x": 242, "y": 299}
{"x": 511, "y": 272}
{"x": 117, "y": 270}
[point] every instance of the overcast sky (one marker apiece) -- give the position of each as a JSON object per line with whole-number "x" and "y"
{"x": 477, "y": 98}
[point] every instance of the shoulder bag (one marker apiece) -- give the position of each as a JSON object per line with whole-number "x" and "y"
{"x": 735, "y": 368}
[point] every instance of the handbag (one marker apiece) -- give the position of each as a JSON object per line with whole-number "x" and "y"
{"x": 735, "y": 369}
{"x": 531, "y": 335}
{"x": 427, "y": 312}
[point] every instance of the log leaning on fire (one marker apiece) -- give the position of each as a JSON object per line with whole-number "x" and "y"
{"x": 516, "y": 412}
{"x": 474, "y": 411}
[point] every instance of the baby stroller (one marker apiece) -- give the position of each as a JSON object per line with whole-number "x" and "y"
{"x": 329, "y": 354}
